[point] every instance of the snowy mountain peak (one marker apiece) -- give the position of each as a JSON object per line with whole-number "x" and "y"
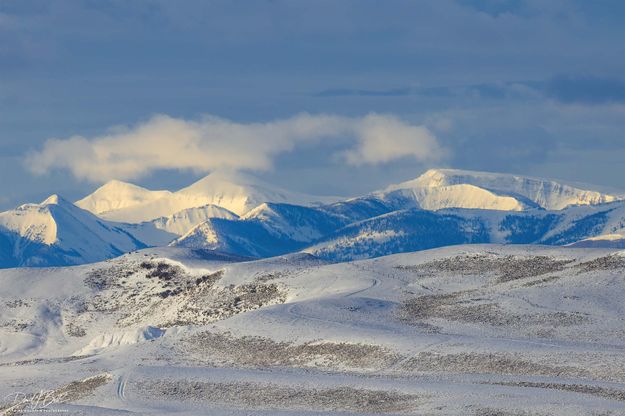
{"x": 115, "y": 195}
{"x": 37, "y": 222}
{"x": 54, "y": 199}
{"x": 261, "y": 211}
{"x": 432, "y": 177}
{"x": 240, "y": 193}
{"x": 234, "y": 192}
{"x": 225, "y": 178}
{"x": 56, "y": 232}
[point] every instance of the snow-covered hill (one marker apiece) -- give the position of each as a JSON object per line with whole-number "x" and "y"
{"x": 56, "y": 232}
{"x": 462, "y": 330}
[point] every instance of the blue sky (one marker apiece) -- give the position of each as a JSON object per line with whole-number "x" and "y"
{"x": 529, "y": 87}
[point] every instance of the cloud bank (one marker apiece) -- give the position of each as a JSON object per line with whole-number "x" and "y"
{"x": 213, "y": 143}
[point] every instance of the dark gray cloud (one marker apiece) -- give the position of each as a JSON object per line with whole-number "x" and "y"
{"x": 496, "y": 90}
{"x": 586, "y": 89}
{"x": 342, "y": 92}
{"x": 562, "y": 88}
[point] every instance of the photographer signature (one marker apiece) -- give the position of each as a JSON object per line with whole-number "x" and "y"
{"x": 33, "y": 402}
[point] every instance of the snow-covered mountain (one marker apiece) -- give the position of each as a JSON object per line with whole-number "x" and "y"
{"x": 162, "y": 231}
{"x": 182, "y": 221}
{"x": 56, "y": 232}
{"x": 240, "y": 193}
{"x": 224, "y": 193}
{"x": 451, "y": 196}
{"x": 276, "y": 229}
{"x": 116, "y": 196}
{"x": 440, "y": 207}
{"x": 414, "y": 229}
{"x": 267, "y": 230}
{"x": 452, "y": 188}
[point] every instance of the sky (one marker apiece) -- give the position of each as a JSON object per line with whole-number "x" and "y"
{"x": 335, "y": 97}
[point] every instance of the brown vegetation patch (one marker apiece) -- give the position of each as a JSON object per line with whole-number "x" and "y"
{"x": 257, "y": 352}
{"x": 271, "y": 396}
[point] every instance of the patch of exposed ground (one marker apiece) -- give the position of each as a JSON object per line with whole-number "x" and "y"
{"x": 167, "y": 292}
{"x": 126, "y": 281}
{"x": 212, "y": 304}
{"x": 266, "y": 277}
{"x": 74, "y": 330}
{"x": 462, "y": 307}
{"x": 542, "y": 281}
{"x": 16, "y": 303}
{"x": 77, "y": 390}
{"x": 36, "y": 361}
{"x": 603, "y": 392}
{"x": 611, "y": 262}
{"x": 271, "y": 396}
{"x": 487, "y": 363}
{"x": 259, "y": 352}
{"x": 504, "y": 268}
{"x": 608, "y": 367}
{"x": 17, "y": 325}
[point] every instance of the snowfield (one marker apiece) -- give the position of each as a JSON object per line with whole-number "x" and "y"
{"x": 461, "y": 330}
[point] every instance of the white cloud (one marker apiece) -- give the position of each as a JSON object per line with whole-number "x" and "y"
{"x": 383, "y": 138}
{"x": 212, "y": 143}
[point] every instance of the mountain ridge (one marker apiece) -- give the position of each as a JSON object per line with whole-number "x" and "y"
{"x": 434, "y": 209}
{"x": 234, "y": 192}
{"x": 548, "y": 194}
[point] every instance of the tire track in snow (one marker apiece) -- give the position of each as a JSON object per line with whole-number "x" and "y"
{"x": 121, "y": 387}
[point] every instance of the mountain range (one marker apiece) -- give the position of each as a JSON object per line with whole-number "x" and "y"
{"x": 241, "y": 215}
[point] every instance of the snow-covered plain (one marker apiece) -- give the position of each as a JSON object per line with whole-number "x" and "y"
{"x": 461, "y": 330}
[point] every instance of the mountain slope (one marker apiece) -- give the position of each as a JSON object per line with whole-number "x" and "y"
{"x": 182, "y": 221}
{"x": 302, "y": 224}
{"x": 453, "y": 196}
{"x": 162, "y": 231}
{"x": 268, "y": 230}
{"x": 274, "y": 229}
{"x": 410, "y": 230}
{"x": 398, "y": 232}
{"x": 242, "y": 238}
{"x": 56, "y": 232}
{"x": 604, "y": 222}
